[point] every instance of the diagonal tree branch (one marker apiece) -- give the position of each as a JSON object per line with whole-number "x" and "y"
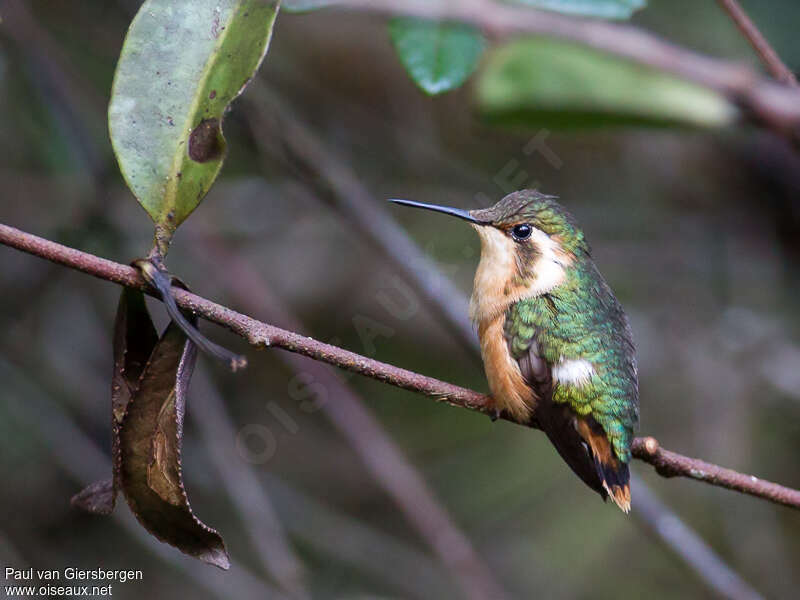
{"x": 335, "y": 181}
{"x": 662, "y": 522}
{"x": 262, "y": 335}
{"x": 255, "y": 508}
{"x": 765, "y": 51}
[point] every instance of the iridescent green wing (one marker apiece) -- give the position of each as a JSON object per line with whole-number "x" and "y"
{"x": 582, "y": 320}
{"x": 526, "y": 324}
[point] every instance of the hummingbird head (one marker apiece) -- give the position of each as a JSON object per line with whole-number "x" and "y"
{"x": 528, "y": 240}
{"x": 525, "y": 216}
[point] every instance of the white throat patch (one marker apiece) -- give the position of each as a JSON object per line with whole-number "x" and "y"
{"x": 549, "y": 266}
{"x": 494, "y": 290}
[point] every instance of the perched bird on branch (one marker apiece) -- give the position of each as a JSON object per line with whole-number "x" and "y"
{"x": 556, "y": 344}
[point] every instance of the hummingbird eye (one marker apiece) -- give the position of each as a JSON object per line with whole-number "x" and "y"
{"x": 521, "y": 232}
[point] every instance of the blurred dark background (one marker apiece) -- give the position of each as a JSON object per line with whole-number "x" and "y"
{"x": 696, "y": 230}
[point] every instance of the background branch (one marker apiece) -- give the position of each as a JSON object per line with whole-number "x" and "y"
{"x": 254, "y": 506}
{"x": 261, "y": 335}
{"x": 765, "y": 51}
{"x": 334, "y": 181}
{"x": 771, "y": 104}
{"x": 691, "y": 547}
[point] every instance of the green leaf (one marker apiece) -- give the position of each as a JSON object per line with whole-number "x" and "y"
{"x": 536, "y": 81}
{"x": 606, "y": 9}
{"x": 438, "y": 56}
{"x": 182, "y": 63}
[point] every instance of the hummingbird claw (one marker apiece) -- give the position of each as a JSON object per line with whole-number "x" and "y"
{"x": 492, "y": 409}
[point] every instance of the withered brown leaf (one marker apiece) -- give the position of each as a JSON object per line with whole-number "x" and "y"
{"x": 150, "y": 448}
{"x": 135, "y": 336}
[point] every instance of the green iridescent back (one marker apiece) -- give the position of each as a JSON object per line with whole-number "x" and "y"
{"x": 581, "y": 319}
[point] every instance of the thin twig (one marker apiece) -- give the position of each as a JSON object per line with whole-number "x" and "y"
{"x": 261, "y": 335}
{"x": 772, "y": 104}
{"x": 671, "y": 464}
{"x": 765, "y": 51}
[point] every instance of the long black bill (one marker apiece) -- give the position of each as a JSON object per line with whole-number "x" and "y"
{"x": 448, "y": 210}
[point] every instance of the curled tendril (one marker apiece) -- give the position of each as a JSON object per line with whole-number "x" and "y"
{"x": 162, "y": 283}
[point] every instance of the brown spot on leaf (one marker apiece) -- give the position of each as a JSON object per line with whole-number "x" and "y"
{"x": 213, "y": 94}
{"x": 205, "y": 141}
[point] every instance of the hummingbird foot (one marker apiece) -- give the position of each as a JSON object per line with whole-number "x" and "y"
{"x": 493, "y": 410}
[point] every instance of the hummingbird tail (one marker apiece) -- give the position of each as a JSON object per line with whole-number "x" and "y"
{"x": 614, "y": 474}
{"x": 583, "y": 445}
{"x": 616, "y": 482}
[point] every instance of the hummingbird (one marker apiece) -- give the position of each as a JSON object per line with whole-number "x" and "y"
{"x": 556, "y": 345}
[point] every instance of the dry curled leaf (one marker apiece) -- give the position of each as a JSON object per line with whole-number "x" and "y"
{"x": 135, "y": 337}
{"x": 148, "y": 399}
{"x": 150, "y": 448}
{"x": 97, "y": 498}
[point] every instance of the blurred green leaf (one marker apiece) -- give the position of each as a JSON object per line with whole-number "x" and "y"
{"x": 182, "y": 64}
{"x": 438, "y": 56}
{"x": 537, "y": 81}
{"x": 606, "y": 9}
